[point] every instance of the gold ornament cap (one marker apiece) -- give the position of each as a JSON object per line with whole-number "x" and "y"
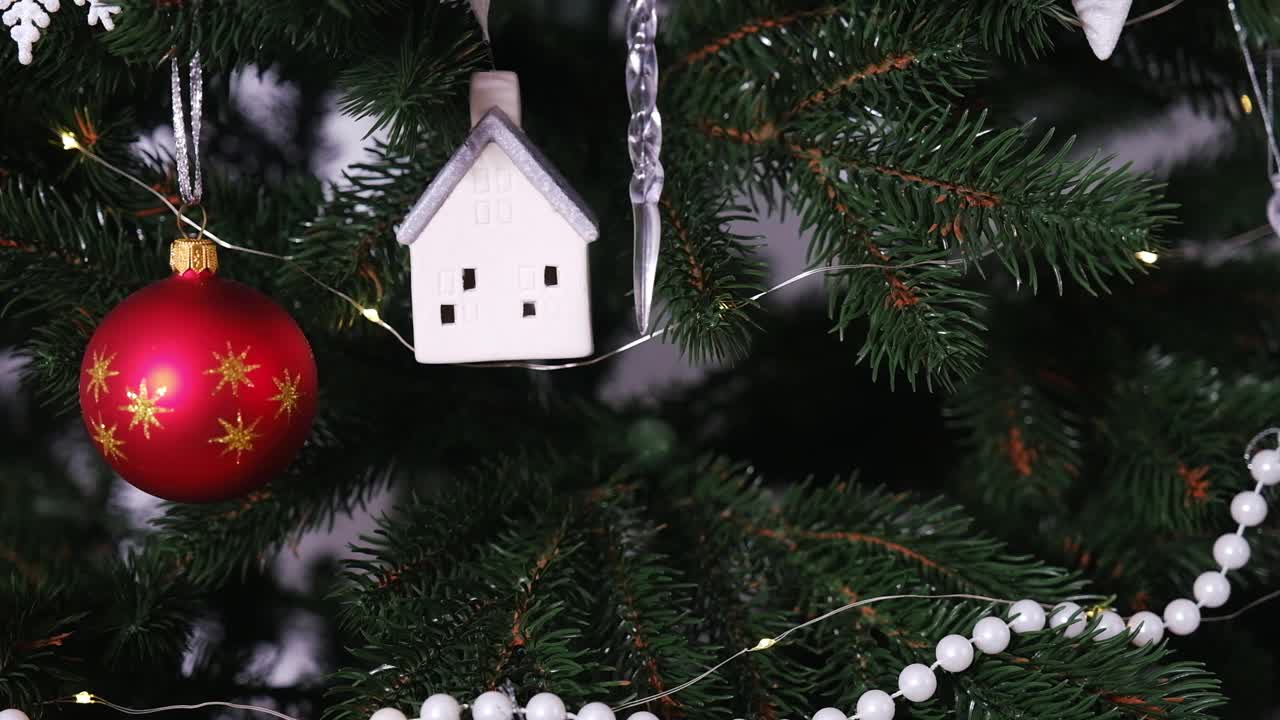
{"x": 197, "y": 254}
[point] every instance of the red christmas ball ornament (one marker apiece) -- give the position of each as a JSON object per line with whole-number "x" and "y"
{"x": 197, "y": 388}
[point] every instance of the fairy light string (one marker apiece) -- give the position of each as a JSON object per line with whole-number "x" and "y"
{"x": 71, "y": 142}
{"x": 190, "y": 183}
{"x": 1067, "y": 617}
{"x": 1072, "y": 624}
{"x": 1151, "y": 15}
{"x": 1265, "y": 476}
{"x": 762, "y": 645}
{"x": 191, "y": 190}
{"x": 1263, "y": 99}
{"x": 88, "y": 698}
{"x": 771, "y": 642}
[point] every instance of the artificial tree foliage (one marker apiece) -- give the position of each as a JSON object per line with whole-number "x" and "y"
{"x": 996, "y": 395}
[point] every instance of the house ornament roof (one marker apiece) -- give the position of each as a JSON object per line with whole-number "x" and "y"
{"x": 496, "y": 127}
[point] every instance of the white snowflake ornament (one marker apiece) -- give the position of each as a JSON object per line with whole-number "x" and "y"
{"x": 101, "y": 11}
{"x": 26, "y": 18}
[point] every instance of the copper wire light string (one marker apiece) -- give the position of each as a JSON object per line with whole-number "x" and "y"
{"x": 1267, "y": 121}
{"x": 1141, "y": 18}
{"x": 87, "y": 698}
{"x": 190, "y": 186}
{"x": 371, "y": 315}
{"x": 191, "y": 197}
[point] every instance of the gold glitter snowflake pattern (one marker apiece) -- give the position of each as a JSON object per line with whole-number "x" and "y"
{"x": 145, "y": 408}
{"x": 238, "y": 437}
{"x": 107, "y": 440}
{"x": 233, "y": 368}
{"x": 287, "y": 394}
{"x": 99, "y": 373}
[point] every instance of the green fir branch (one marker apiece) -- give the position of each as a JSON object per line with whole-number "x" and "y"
{"x": 744, "y": 598}
{"x": 1024, "y": 443}
{"x": 235, "y": 32}
{"x": 344, "y": 463}
{"x": 410, "y": 553}
{"x": 646, "y": 613}
{"x": 37, "y": 626}
{"x": 351, "y": 244}
{"x": 421, "y": 76}
{"x": 997, "y": 194}
{"x": 707, "y": 273}
{"x": 512, "y": 609}
{"x": 1175, "y": 429}
{"x": 919, "y": 323}
{"x": 1042, "y": 673}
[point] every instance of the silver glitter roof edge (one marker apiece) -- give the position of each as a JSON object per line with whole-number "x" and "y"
{"x": 496, "y": 127}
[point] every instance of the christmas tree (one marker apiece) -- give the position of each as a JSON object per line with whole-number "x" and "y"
{"x": 1022, "y": 368}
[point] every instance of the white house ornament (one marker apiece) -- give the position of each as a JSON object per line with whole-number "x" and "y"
{"x": 498, "y": 246}
{"x": 1103, "y": 20}
{"x": 26, "y": 18}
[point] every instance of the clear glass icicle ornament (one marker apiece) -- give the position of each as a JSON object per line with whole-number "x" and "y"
{"x": 644, "y": 140}
{"x": 1273, "y": 205}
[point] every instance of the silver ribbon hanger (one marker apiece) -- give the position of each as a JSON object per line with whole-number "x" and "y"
{"x": 481, "y": 10}
{"x": 644, "y": 140}
{"x": 1265, "y": 109}
{"x": 187, "y": 156}
{"x": 1273, "y": 159}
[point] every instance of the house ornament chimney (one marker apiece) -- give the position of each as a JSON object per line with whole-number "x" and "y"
{"x": 498, "y": 89}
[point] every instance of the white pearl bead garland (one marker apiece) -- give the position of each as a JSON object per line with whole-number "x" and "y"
{"x": 492, "y": 705}
{"x": 440, "y": 707}
{"x": 1265, "y": 467}
{"x": 917, "y": 682}
{"x": 1069, "y": 612}
{"x": 1147, "y": 628}
{"x": 1027, "y": 616}
{"x": 1211, "y": 589}
{"x": 954, "y": 653}
{"x": 991, "y": 635}
{"x": 1110, "y": 624}
{"x": 826, "y": 713}
{"x": 875, "y": 705}
{"x": 596, "y": 711}
{"x": 13, "y": 714}
{"x": 545, "y": 706}
{"x": 388, "y": 714}
{"x": 1181, "y": 617}
{"x": 1231, "y": 551}
{"x": 1248, "y": 508}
